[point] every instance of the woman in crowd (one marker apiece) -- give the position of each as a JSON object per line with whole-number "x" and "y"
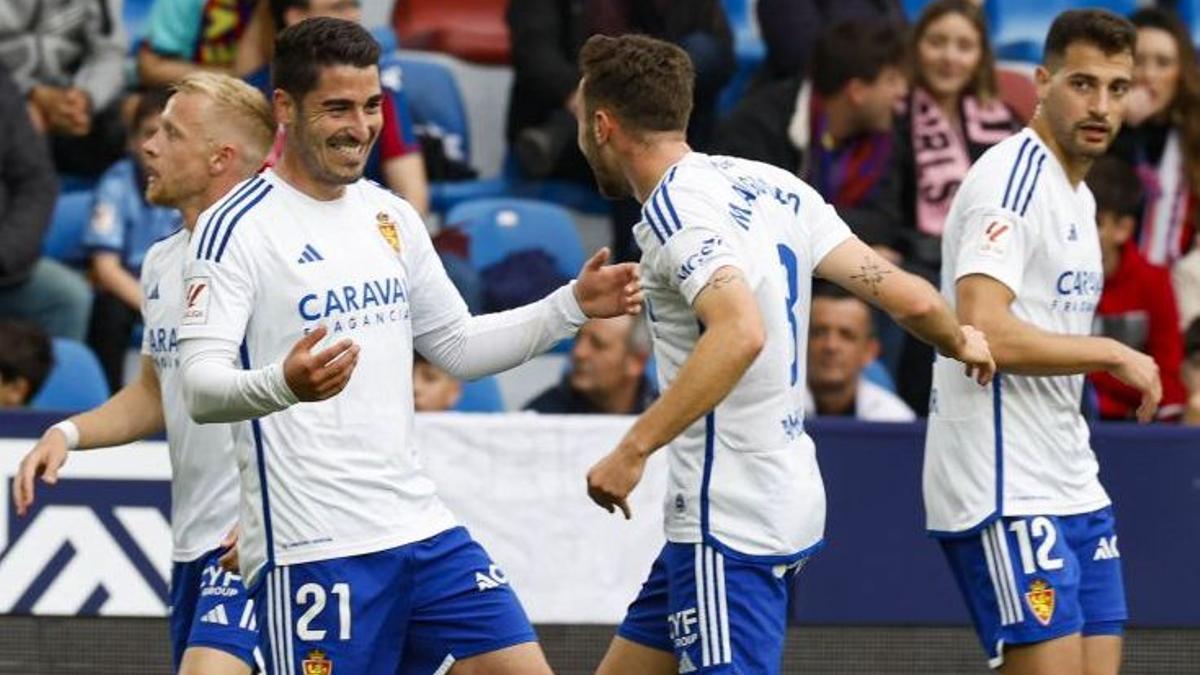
{"x": 953, "y": 114}
{"x": 1161, "y": 137}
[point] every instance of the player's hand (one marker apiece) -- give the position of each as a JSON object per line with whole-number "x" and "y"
{"x": 229, "y": 559}
{"x": 316, "y": 377}
{"x": 608, "y": 290}
{"x": 45, "y": 460}
{"x": 612, "y": 479}
{"x": 1140, "y": 372}
{"x": 976, "y": 355}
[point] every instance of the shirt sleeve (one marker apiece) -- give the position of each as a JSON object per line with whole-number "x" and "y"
{"x": 994, "y": 242}
{"x": 219, "y": 283}
{"x": 433, "y": 298}
{"x": 826, "y": 228}
{"x": 105, "y": 230}
{"x": 696, "y": 239}
{"x": 175, "y": 27}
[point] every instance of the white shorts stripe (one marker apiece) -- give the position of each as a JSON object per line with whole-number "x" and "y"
{"x": 1005, "y": 561}
{"x": 702, "y": 617}
{"x": 280, "y": 622}
{"x": 447, "y": 663}
{"x": 290, "y": 653}
{"x": 714, "y": 621}
{"x": 724, "y": 600}
{"x": 985, "y": 539}
{"x": 272, "y": 638}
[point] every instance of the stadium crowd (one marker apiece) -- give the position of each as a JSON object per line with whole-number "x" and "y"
{"x": 881, "y": 106}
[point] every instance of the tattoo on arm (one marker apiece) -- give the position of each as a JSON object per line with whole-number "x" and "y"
{"x": 871, "y": 274}
{"x": 723, "y": 277}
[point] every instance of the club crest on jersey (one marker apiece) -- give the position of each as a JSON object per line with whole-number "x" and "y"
{"x": 387, "y": 228}
{"x": 1040, "y": 598}
{"x": 317, "y": 664}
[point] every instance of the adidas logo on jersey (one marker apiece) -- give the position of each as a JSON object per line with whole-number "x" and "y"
{"x": 1107, "y": 549}
{"x": 685, "y": 664}
{"x": 309, "y": 254}
{"x": 153, "y": 293}
{"x": 493, "y": 578}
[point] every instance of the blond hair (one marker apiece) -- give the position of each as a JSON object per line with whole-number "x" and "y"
{"x": 237, "y": 107}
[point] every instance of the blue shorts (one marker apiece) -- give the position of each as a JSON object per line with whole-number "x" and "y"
{"x": 1036, "y": 578}
{"x": 210, "y": 608}
{"x": 410, "y": 610}
{"x": 717, "y": 614}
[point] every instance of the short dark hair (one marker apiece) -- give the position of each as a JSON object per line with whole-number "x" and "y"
{"x": 1191, "y": 338}
{"x": 1109, "y": 32}
{"x": 1116, "y": 186}
{"x": 647, "y": 83}
{"x": 25, "y": 352}
{"x": 279, "y": 8}
{"x": 855, "y": 49}
{"x": 150, "y": 102}
{"x": 303, "y": 49}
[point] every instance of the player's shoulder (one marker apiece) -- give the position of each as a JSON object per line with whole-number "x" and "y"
{"x": 1008, "y": 175}
{"x": 385, "y": 201}
{"x": 240, "y": 211}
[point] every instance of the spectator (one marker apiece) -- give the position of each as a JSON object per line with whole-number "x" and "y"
{"x": 1137, "y": 306}
{"x": 396, "y": 157}
{"x": 546, "y": 38}
{"x": 26, "y": 357}
{"x": 1161, "y": 137}
{"x": 122, "y": 228}
{"x": 67, "y": 58}
{"x": 434, "y": 390}
{"x": 186, "y": 35}
{"x": 833, "y": 128}
{"x": 952, "y": 116}
{"x": 841, "y": 344}
{"x": 1191, "y": 373}
{"x": 1185, "y": 276}
{"x": 608, "y": 372}
{"x": 31, "y": 287}
{"x": 790, "y": 28}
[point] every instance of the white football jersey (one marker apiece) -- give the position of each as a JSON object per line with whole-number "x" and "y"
{"x": 204, "y": 480}
{"x": 339, "y": 477}
{"x": 1021, "y": 446}
{"x": 745, "y": 477}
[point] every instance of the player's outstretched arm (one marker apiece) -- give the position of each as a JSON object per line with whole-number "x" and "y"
{"x": 1022, "y": 348}
{"x": 913, "y": 302}
{"x": 133, "y": 413}
{"x": 733, "y": 337}
{"x": 215, "y": 390}
{"x": 468, "y": 346}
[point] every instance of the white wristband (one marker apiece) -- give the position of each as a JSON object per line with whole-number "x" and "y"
{"x": 68, "y": 429}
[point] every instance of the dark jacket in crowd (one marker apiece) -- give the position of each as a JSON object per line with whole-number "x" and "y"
{"x": 28, "y": 187}
{"x": 561, "y": 399}
{"x": 790, "y": 27}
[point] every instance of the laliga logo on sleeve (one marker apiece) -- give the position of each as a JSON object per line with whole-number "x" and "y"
{"x": 995, "y": 239}
{"x": 196, "y": 296}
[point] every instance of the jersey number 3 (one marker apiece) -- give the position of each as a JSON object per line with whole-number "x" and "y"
{"x": 787, "y": 258}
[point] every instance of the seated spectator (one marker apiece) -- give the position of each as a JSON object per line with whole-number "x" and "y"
{"x": 395, "y": 159}
{"x": 1137, "y": 306}
{"x": 32, "y": 287}
{"x": 1161, "y": 135}
{"x": 833, "y": 127}
{"x": 26, "y": 358}
{"x": 841, "y": 344}
{"x": 122, "y": 228}
{"x": 790, "y": 28}
{"x": 1190, "y": 372}
{"x": 952, "y": 116}
{"x": 608, "y": 372}
{"x": 1185, "y": 277}
{"x": 67, "y": 58}
{"x": 434, "y": 390}
{"x": 187, "y": 35}
{"x": 546, "y": 38}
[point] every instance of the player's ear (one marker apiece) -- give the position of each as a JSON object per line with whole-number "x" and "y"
{"x": 283, "y": 106}
{"x": 603, "y": 127}
{"x": 1041, "y": 80}
{"x": 221, "y": 159}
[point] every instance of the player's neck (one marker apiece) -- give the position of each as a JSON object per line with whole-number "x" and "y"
{"x": 290, "y": 170}
{"x": 1076, "y": 168}
{"x": 217, "y": 189}
{"x": 651, "y": 160}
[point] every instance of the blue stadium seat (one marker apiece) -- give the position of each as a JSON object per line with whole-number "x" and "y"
{"x": 1019, "y": 27}
{"x": 76, "y": 382}
{"x": 748, "y": 49}
{"x": 480, "y": 396}
{"x": 498, "y": 227}
{"x": 135, "y": 19}
{"x": 877, "y": 373}
{"x": 386, "y": 37}
{"x": 1189, "y": 12}
{"x": 64, "y": 236}
{"x": 913, "y": 8}
{"x": 434, "y": 97}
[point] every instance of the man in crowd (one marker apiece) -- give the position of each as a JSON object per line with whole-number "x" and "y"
{"x": 608, "y": 371}
{"x": 26, "y": 357}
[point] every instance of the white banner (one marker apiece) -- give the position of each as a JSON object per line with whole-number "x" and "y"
{"x": 101, "y": 543}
